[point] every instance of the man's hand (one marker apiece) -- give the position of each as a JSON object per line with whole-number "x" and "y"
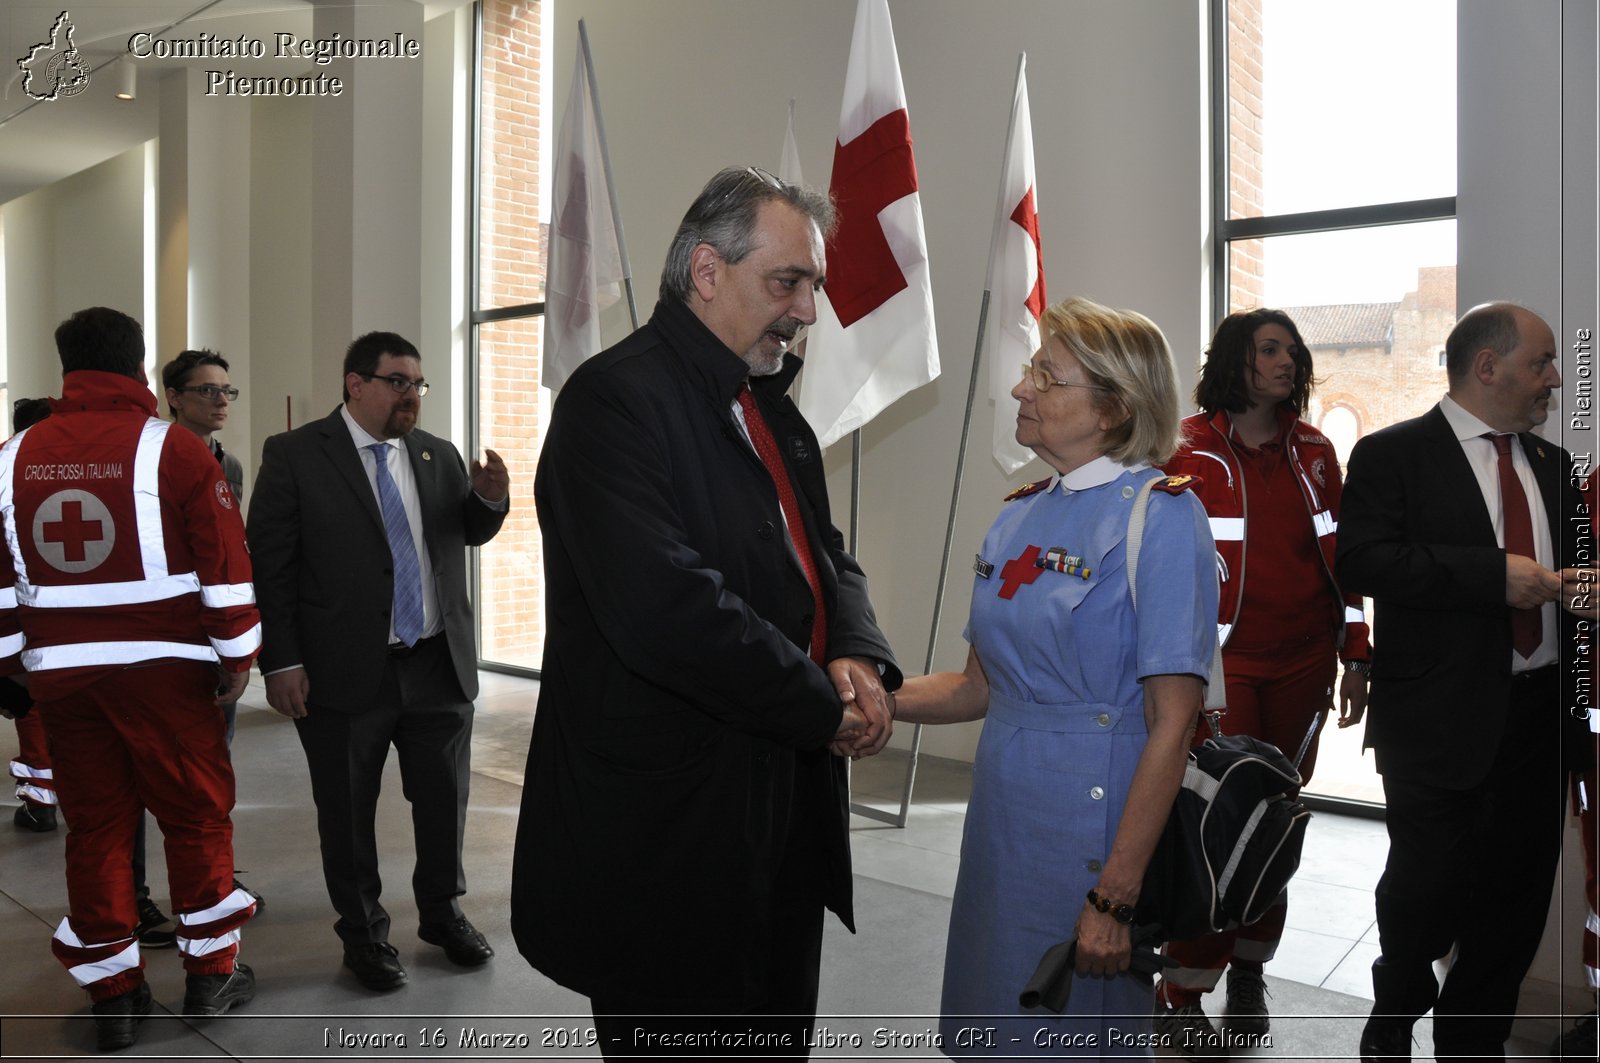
{"x": 1528, "y": 583}
{"x": 287, "y": 692}
{"x": 851, "y": 726}
{"x": 858, "y": 684}
{"x": 491, "y": 480}
{"x": 1580, "y": 594}
{"x": 230, "y": 685}
{"x": 1352, "y": 698}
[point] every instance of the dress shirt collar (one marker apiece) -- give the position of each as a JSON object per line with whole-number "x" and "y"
{"x": 1464, "y": 423}
{"x": 1100, "y": 471}
{"x": 363, "y": 439}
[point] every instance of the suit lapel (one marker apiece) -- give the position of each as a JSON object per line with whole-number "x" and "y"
{"x": 1544, "y": 457}
{"x": 1455, "y": 476}
{"x": 424, "y": 471}
{"x": 343, "y": 457}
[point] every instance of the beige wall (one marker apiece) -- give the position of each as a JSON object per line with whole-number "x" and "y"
{"x": 76, "y": 243}
{"x": 693, "y": 85}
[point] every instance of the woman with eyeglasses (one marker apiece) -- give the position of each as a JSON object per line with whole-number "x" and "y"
{"x": 1271, "y": 485}
{"x": 1088, "y": 704}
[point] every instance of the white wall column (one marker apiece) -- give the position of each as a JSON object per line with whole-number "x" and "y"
{"x": 366, "y": 259}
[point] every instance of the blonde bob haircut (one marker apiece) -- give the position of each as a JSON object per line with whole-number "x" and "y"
{"x": 1125, "y": 353}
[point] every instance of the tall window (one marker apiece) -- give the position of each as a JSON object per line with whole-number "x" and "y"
{"x": 1335, "y": 169}
{"x": 507, "y": 319}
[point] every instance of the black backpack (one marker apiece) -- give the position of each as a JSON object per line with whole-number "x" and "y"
{"x": 1231, "y": 844}
{"x": 1233, "y": 839}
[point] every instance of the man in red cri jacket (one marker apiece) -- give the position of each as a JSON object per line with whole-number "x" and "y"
{"x": 126, "y": 596}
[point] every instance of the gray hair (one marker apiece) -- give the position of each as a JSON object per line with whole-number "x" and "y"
{"x": 724, "y": 216}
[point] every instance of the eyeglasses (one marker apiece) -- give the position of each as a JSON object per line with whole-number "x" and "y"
{"x": 399, "y": 383}
{"x": 1043, "y": 381}
{"x": 763, "y": 176}
{"x": 211, "y": 392}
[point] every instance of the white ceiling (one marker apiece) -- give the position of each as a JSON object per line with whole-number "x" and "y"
{"x": 44, "y": 141}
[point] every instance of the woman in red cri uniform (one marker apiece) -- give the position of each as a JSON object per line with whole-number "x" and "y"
{"x": 1270, "y": 484}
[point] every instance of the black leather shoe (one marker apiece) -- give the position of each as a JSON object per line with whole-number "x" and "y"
{"x": 1385, "y": 1040}
{"x": 116, "y": 1021}
{"x": 150, "y": 930}
{"x": 213, "y": 994}
{"x": 376, "y": 965}
{"x": 460, "y": 941}
{"x": 36, "y": 818}
{"x": 1578, "y": 1042}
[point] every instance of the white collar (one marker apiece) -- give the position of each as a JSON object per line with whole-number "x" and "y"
{"x": 363, "y": 439}
{"x": 1463, "y": 422}
{"x": 1100, "y": 471}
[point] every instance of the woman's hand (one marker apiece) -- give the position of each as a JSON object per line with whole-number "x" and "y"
{"x": 1105, "y": 946}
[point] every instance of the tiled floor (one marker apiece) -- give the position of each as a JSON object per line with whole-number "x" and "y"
{"x": 1330, "y": 941}
{"x": 889, "y": 973}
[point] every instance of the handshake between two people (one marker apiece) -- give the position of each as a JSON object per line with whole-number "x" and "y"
{"x": 868, "y": 708}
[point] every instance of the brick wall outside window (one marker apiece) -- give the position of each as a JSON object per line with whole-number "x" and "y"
{"x": 511, "y": 410}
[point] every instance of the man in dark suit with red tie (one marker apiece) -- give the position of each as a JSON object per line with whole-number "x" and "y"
{"x": 710, "y": 651}
{"x": 1457, "y": 524}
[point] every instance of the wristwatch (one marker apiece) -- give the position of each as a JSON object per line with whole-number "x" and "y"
{"x": 1122, "y": 913}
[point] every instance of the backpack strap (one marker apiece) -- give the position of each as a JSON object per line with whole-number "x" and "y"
{"x": 1216, "y": 689}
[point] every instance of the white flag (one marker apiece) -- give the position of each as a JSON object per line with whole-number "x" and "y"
{"x": 584, "y": 271}
{"x": 1016, "y": 279}
{"x": 874, "y": 339}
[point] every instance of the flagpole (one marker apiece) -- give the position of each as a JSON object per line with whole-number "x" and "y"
{"x": 966, "y": 431}
{"x": 611, "y": 184}
{"x": 944, "y": 560}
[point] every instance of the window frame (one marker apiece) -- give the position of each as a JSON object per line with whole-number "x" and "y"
{"x": 1226, "y": 230}
{"x": 476, "y": 317}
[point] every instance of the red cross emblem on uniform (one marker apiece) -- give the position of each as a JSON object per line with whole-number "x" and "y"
{"x": 73, "y": 531}
{"x": 1020, "y": 570}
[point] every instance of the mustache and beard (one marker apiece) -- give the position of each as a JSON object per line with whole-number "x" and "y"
{"x": 766, "y": 357}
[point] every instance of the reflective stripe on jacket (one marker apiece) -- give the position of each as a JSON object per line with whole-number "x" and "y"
{"x": 1207, "y": 453}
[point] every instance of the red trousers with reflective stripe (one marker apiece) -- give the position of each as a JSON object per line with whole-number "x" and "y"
{"x": 1274, "y": 692}
{"x": 147, "y": 737}
{"x": 34, "y": 752}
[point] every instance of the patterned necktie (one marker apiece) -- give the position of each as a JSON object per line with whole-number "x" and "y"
{"x": 407, "y": 572}
{"x": 1527, "y": 627}
{"x": 767, "y": 448}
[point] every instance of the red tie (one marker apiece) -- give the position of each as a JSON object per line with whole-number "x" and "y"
{"x": 767, "y": 448}
{"x": 1527, "y": 628}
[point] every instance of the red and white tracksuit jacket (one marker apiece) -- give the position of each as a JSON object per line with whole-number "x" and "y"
{"x": 1206, "y": 453}
{"x": 123, "y": 546}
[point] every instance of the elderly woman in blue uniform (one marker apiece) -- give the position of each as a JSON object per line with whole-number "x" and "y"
{"x": 1088, "y": 706}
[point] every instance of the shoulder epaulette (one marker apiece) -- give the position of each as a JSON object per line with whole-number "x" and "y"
{"x": 1176, "y": 485}
{"x": 1029, "y": 489}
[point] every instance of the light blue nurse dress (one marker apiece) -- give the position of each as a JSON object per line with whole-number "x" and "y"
{"x": 1064, "y": 654}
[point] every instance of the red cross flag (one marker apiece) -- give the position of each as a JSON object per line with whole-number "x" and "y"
{"x": 874, "y": 339}
{"x": 1016, "y": 279}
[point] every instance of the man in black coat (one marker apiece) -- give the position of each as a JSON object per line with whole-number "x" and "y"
{"x": 1457, "y": 524}
{"x": 710, "y": 652}
{"x": 358, "y": 528}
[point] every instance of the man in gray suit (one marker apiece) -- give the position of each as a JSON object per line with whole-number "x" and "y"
{"x": 358, "y": 529}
